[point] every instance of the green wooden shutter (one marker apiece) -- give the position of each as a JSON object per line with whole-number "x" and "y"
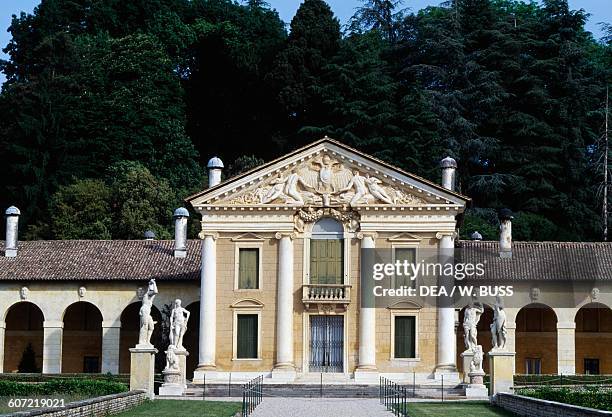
{"x": 246, "y": 339}
{"x": 326, "y": 261}
{"x": 248, "y": 268}
{"x": 405, "y": 341}
{"x": 404, "y": 254}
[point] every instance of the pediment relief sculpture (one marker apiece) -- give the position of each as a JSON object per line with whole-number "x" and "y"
{"x": 324, "y": 181}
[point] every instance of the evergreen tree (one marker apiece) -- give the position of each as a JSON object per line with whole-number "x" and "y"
{"x": 27, "y": 364}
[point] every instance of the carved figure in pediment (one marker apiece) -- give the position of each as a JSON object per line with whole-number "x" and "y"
{"x": 377, "y": 190}
{"x": 361, "y": 190}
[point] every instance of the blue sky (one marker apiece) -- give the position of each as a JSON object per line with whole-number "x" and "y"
{"x": 601, "y": 10}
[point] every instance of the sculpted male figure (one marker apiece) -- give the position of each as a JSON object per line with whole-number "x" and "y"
{"x": 361, "y": 190}
{"x": 146, "y": 321}
{"x": 470, "y": 323}
{"x": 178, "y": 324}
{"x": 498, "y": 327}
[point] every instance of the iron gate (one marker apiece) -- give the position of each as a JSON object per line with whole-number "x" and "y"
{"x": 326, "y": 343}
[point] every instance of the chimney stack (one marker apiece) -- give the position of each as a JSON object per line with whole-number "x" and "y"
{"x": 476, "y": 235}
{"x": 215, "y": 166}
{"x": 505, "y": 233}
{"x": 149, "y": 235}
{"x": 449, "y": 167}
{"x": 12, "y": 230}
{"x": 181, "y": 215}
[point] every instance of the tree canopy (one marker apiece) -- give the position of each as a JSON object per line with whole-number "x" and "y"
{"x": 111, "y": 108}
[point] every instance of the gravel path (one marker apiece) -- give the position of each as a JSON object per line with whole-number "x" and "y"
{"x": 320, "y": 407}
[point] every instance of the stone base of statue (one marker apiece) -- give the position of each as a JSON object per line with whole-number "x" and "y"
{"x": 501, "y": 366}
{"x": 466, "y": 357}
{"x": 182, "y": 360}
{"x": 142, "y": 369}
{"x": 173, "y": 383}
{"x": 476, "y": 387}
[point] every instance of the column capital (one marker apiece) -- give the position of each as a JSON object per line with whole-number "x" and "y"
{"x": 566, "y": 325}
{"x": 203, "y": 235}
{"x": 58, "y": 324}
{"x": 111, "y": 323}
{"x": 363, "y": 235}
{"x": 280, "y": 235}
{"x": 2, "y": 324}
{"x": 441, "y": 235}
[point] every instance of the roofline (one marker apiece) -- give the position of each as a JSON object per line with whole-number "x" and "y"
{"x": 542, "y": 242}
{"x": 339, "y": 144}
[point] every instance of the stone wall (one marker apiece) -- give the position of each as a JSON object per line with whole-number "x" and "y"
{"x": 532, "y": 407}
{"x": 92, "y": 407}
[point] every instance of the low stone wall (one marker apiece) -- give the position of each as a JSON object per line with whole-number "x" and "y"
{"x": 92, "y": 407}
{"x": 533, "y": 407}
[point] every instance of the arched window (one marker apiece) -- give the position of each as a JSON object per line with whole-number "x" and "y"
{"x": 327, "y": 252}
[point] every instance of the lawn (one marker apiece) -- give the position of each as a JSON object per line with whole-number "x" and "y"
{"x": 456, "y": 409}
{"x": 184, "y": 408}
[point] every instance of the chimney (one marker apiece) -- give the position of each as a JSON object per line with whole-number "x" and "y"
{"x": 12, "y": 230}
{"x": 476, "y": 235}
{"x": 505, "y": 233}
{"x": 215, "y": 166}
{"x": 181, "y": 215}
{"x": 149, "y": 235}
{"x": 449, "y": 166}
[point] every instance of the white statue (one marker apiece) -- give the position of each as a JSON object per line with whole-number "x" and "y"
{"x": 498, "y": 327}
{"x": 361, "y": 190}
{"x": 476, "y": 364}
{"x": 377, "y": 190}
{"x": 82, "y": 291}
{"x": 171, "y": 358}
{"x": 146, "y": 321}
{"x": 178, "y": 324}
{"x": 470, "y": 323}
{"x": 23, "y": 292}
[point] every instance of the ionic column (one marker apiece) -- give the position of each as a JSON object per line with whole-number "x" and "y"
{"x": 566, "y": 348}
{"x": 208, "y": 304}
{"x": 446, "y": 315}
{"x": 367, "y": 320}
{"x": 111, "y": 333}
{"x": 284, "y": 303}
{"x": 2, "y": 335}
{"x": 52, "y": 346}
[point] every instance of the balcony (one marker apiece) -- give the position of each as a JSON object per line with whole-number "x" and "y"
{"x": 330, "y": 295}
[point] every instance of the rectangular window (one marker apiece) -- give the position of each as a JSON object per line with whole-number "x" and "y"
{"x": 405, "y": 337}
{"x": 326, "y": 265}
{"x": 246, "y": 337}
{"x": 591, "y": 366}
{"x": 248, "y": 268}
{"x": 401, "y": 255}
{"x": 533, "y": 366}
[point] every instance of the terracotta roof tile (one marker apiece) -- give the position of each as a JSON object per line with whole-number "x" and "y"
{"x": 86, "y": 260}
{"x": 542, "y": 260}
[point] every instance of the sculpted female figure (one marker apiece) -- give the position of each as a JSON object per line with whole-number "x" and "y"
{"x": 146, "y": 321}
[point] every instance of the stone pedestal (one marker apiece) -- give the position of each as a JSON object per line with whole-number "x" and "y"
{"x": 284, "y": 374}
{"x": 142, "y": 369}
{"x": 476, "y": 387}
{"x": 182, "y": 358}
{"x": 173, "y": 383}
{"x": 501, "y": 365}
{"x": 466, "y": 359}
{"x": 366, "y": 376}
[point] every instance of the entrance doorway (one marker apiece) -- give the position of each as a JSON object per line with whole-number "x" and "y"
{"x": 326, "y": 343}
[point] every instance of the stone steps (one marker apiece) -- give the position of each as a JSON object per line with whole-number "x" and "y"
{"x": 350, "y": 390}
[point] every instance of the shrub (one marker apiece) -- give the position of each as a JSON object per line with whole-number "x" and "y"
{"x": 590, "y": 396}
{"x": 85, "y": 387}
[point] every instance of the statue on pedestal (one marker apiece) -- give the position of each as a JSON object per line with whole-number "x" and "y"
{"x": 178, "y": 324}
{"x": 146, "y": 321}
{"x": 470, "y": 322}
{"x": 171, "y": 358}
{"x": 498, "y": 327}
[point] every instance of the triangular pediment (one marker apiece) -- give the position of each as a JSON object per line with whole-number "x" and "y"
{"x": 327, "y": 173}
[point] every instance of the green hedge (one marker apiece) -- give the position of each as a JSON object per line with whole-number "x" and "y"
{"x": 562, "y": 379}
{"x": 85, "y": 387}
{"x": 592, "y": 397}
{"x": 38, "y": 377}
